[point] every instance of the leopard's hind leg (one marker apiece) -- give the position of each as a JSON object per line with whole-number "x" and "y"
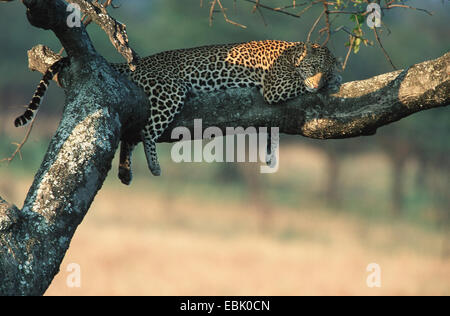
{"x": 150, "y": 151}
{"x": 166, "y": 100}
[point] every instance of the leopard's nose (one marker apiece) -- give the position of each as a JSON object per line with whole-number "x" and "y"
{"x": 314, "y": 82}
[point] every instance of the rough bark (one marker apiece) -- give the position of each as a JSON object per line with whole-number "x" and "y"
{"x": 100, "y": 105}
{"x": 103, "y": 107}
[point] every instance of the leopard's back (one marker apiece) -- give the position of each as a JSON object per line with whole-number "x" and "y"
{"x": 212, "y": 67}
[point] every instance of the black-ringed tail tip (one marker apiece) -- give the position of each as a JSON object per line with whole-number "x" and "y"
{"x": 29, "y": 114}
{"x": 35, "y": 102}
{"x": 24, "y": 119}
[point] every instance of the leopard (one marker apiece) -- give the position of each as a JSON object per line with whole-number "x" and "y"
{"x": 281, "y": 70}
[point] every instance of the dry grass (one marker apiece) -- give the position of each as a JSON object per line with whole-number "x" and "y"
{"x": 142, "y": 241}
{"x": 221, "y": 250}
{"x": 132, "y": 244}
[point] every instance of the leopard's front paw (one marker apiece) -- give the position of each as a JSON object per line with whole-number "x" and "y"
{"x": 334, "y": 84}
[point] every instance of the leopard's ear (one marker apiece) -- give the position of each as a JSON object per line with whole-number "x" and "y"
{"x": 308, "y": 47}
{"x": 298, "y": 58}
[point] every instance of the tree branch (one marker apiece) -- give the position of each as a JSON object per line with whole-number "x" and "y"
{"x": 359, "y": 108}
{"x": 115, "y": 30}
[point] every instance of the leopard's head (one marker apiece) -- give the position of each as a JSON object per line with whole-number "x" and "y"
{"x": 315, "y": 64}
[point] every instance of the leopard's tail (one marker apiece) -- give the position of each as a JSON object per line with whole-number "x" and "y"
{"x": 38, "y": 95}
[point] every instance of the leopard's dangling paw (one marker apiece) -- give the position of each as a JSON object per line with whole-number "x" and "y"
{"x": 125, "y": 175}
{"x": 334, "y": 84}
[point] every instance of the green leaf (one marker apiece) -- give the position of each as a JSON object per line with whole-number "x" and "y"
{"x": 357, "y": 18}
{"x": 357, "y": 45}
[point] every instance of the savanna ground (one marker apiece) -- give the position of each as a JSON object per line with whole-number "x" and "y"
{"x": 193, "y": 233}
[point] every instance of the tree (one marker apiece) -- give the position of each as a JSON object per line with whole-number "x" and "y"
{"x": 103, "y": 108}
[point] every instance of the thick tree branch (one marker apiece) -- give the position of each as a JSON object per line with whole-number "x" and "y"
{"x": 359, "y": 108}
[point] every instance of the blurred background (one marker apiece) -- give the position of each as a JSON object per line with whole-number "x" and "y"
{"x": 312, "y": 228}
